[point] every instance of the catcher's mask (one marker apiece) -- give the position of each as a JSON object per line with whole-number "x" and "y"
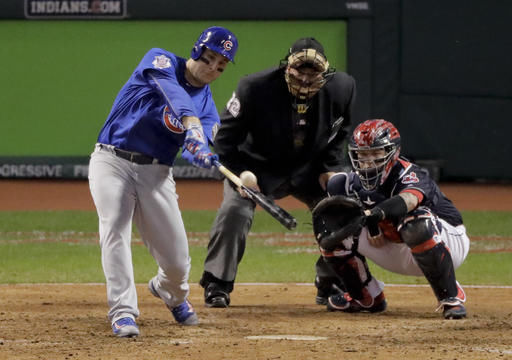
{"x": 374, "y": 149}
{"x": 306, "y": 68}
{"x": 218, "y": 39}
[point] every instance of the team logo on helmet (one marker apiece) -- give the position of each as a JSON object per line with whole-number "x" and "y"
{"x": 161, "y": 62}
{"x": 228, "y": 45}
{"x": 172, "y": 123}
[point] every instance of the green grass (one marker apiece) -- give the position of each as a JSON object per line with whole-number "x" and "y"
{"x": 36, "y": 247}
{"x": 93, "y": 59}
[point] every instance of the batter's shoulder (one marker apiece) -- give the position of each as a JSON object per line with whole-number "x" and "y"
{"x": 160, "y": 59}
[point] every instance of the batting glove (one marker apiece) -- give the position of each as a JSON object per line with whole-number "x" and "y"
{"x": 195, "y": 139}
{"x": 204, "y": 159}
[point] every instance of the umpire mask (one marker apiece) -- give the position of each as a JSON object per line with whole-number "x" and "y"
{"x": 306, "y": 68}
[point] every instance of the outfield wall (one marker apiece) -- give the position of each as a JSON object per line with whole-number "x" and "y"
{"x": 437, "y": 69}
{"x": 64, "y": 75}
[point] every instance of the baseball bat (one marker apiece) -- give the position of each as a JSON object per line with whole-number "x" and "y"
{"x": 266, "y": 204}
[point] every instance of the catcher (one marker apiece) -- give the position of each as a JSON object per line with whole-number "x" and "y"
{"x": 390, "y": 211}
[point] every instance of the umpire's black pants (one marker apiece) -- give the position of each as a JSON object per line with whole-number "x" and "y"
{"x": 229, "y": 232}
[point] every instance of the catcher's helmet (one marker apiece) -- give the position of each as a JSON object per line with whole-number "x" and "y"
{"x": 374, "y": 149}
{"x": 218, "y": 39}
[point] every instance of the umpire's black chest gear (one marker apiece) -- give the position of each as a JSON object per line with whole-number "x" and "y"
{"x": 262, "y": 129}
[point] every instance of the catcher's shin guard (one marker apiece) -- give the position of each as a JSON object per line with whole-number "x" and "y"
{"x": 353, "y": 271}
{"x": 420, "y": 232}
{"x": 437, "y": 266}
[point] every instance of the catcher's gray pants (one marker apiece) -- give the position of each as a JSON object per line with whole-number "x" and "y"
{"x": 228, "y": 234}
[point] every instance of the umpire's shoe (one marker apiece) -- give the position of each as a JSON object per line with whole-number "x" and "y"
{"x": 343, "y": 302}
{"x": 215, "y": 297}
{"x": 184, "y": 313}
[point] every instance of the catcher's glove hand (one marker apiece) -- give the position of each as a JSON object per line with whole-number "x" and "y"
{"x": 336, "y": 218}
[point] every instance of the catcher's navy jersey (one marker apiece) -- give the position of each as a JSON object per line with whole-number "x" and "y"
{"x": 404, "y": 177}
{"x": 144, "y": 117}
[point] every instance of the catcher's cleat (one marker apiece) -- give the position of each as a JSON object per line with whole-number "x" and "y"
{"x": 453, "y": 307}
{"x": 184, "y": 313}
{"x": 343, "y": 302}
{"x": 454, "y": 312}
{"x": 125, "y": 327}
{"x": 322, "y": 294}
{"x": 215, "y": 297}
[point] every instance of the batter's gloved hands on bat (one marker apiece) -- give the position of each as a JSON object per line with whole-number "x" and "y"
{"x": 195, "y": 139}
{"x": 204, "y": 159}
{"x": 197, "y": 144}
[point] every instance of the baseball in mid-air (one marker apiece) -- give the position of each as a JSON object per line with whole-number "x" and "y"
{"x": 248, "y": 179}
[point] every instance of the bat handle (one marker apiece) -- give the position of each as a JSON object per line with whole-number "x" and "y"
{"x": 232, "y": 177}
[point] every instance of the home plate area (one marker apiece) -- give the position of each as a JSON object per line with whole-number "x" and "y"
{"x": 265, "y": 321}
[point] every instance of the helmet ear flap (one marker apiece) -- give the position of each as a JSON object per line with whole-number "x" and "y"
{"x": 196, "y": 52}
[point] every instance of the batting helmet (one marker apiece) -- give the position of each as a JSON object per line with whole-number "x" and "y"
{"x": 218, "y": 39}
{"x": 374, "y": 149}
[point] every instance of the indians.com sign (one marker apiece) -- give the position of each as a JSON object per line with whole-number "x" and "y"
{"x": 104, "y": 9}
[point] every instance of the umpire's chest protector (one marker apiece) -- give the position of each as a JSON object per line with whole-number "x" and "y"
{"x": 269, "y": 117}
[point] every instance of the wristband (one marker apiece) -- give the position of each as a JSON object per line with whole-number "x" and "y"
{"x": 393, "y": 208}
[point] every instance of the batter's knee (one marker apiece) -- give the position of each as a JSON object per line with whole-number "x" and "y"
{"x": 419, "y": 227}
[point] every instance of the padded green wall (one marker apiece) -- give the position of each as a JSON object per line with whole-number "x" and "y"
{"x": 59, "y": 78}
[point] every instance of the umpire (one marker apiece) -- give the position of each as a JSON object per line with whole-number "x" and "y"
{"x": 287, "y": 125}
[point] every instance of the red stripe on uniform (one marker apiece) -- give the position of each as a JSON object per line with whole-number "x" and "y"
{"x": 427, "y": 245}
{"x": 416, "y": 193}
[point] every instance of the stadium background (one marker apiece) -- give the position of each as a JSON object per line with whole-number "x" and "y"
{"x": 437, "y": 69}
{"x": 447, "y": 87}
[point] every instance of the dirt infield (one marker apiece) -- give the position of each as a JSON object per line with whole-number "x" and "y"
{"x": 277, "y": 321}
{"x": 207, "y": 194}
{"x": 69, "y": 322}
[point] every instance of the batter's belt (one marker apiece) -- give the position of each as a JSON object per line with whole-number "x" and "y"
{"x": 132, "y": 156}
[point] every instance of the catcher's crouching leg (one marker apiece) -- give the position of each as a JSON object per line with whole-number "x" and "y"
{"x": 421, "y": 232}
{"x": 364, "y": 292}
{"x": 337, "y": 223}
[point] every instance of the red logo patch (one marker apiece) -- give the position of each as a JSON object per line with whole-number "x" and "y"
{"x": 228, "y": 45}
{"x": 172, "y": 123}
{"x": 410, "y": 179}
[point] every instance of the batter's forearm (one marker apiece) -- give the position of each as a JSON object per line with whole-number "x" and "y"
{"x": 190, "y": 121}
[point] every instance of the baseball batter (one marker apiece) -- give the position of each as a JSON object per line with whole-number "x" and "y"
{"x": 165, "y": 104}
{"x": 411, "y": 228}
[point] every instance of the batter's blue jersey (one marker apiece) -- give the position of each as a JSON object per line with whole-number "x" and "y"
{"x": 146, "y": 112}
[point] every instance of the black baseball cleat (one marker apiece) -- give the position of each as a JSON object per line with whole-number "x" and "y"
{"x": 453, "y": 307}
{"x": 454, "y": 312}
{"x": 214, "y": 297}
{"x": 343, "y": 302}
{"x": 326, "y": 287}
{"x": 322, "y": 295}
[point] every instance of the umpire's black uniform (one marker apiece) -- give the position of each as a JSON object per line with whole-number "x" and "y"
{"x": 264, "y": 132}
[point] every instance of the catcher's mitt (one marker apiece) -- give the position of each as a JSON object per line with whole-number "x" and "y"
{"x": 336, "y": 218}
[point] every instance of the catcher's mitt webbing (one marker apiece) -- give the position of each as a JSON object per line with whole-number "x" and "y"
{"x": 335, "y": 219}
